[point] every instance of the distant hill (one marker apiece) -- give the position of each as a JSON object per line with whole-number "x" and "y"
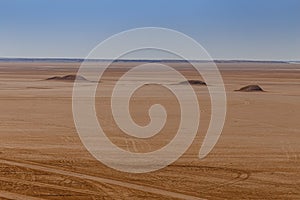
{"x": 71, "y": 77}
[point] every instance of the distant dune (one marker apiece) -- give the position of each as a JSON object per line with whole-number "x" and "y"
{"x": 251, "y": 88}
{"x": 193, "y": 82}
{"x": 67, "y": 78}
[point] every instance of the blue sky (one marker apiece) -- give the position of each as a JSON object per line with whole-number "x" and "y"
{"x": 227, "y": 29}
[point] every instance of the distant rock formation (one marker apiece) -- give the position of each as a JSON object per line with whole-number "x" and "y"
{"x": 251, "y": 88}
{"x": 193, "y": 82}
{"x": 67, "y": 78}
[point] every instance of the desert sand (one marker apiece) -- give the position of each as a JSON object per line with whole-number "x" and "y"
{"x": 256, "y": 157}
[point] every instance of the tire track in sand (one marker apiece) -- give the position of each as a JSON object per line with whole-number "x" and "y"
{"x": 46, "y": 185}
{"x": 142, "y": 188}
{"x": 15, "y": 196}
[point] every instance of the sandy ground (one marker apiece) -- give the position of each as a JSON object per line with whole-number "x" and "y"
{"x": 257, "y": 156}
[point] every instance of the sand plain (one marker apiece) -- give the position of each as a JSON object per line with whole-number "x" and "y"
{"x": 256, "y": 157}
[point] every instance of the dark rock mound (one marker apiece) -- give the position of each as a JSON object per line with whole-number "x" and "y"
{"x": 193, "y": 82}
{"x": 151, "y": 84}
{"x": 67, "y": 78}
{"x": 251, "y": 88}
{"x": 54, "y": 78}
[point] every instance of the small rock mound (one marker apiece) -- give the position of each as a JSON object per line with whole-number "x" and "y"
{"x": 193, "y": 82}
{"x": 251, "y": 88}
{"x": 67, "y": 78}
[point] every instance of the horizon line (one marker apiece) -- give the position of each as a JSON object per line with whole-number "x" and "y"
{"x": 77, "y": 59}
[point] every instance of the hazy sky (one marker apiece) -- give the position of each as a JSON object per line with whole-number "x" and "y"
{"x": 228, "y": 29}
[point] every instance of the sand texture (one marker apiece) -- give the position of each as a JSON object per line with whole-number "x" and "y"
{"x": 256, "y": 157}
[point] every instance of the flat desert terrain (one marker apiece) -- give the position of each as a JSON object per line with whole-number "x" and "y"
{"x": 256, "y": 157}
